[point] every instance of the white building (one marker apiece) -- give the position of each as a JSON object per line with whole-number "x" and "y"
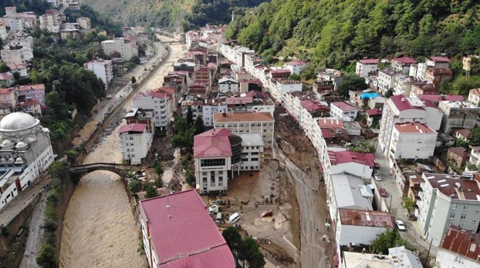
{"x": 386, "y": 79}
{"x": 474, "y": 96}
{"x": 403, "y": 64}
{"x": 16, "y": 54}
{"x": 343, "y": 110}
{"x": 447, "y": 200}
{"x": 412, "y": 141}
{"x": 84, "y": 23}
{"x": 19, "y": 22}
{"x": 126, "y": 48}
{"x": 102, "y": 69}
{"x": 50, "y": 21}
{"x": 280, "y": 87}
{"x": 295, "y": 66}
{"x": 404, "y": 258}
{"x": 160, "y": 103}
{"x": 366, "y": 66}
{"x": 26, "y": 152}
{"x": 135, "y": 142}
{"x": 228, "y": 85}
{"x": 208, "y": 110}
{"x": 219, "y": 154}
{"x": 459, "y": 248}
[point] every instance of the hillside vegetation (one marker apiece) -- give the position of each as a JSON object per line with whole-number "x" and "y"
{"x": 172, "y": 14}
{"x": 333, "y": 32}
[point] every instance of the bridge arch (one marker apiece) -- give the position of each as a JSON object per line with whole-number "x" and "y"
{"x": 78, "y": 171}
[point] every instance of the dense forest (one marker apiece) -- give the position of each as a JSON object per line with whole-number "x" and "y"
{"x": 334, "y": 32}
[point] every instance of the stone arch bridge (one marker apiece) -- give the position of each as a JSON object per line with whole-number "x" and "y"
{"x": 80, "y": 170}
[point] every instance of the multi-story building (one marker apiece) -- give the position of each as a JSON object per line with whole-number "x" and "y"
{"x": 210, "y": 108}
{"x": 386, "y": 79}
{"x": 102, "y": 69}
{"x": 141, "y": 116}
{"x": 135, "y": 142}
{"x": 412, "y": 141}
{"x": 295, "y": 66}
{"x": 336, "y": 77}
{"x": 50, "y": 21}
{"x": 3, "y": 30}
{"x": 249, "y": 103}
{"x": 422, "y": 88}
{"x": 403, "y": 64}
{"x": 21, "y": 69}
{"x": 343, "y": 110}
{"x": 467, "y": 62}
{"x": 16, "y": 54}
{"x": 438, "y": 62}
{"x": 31, "y": 92}
{"x": 280, "y": 87}
{"x": 219, "y": 154}
{"x": 474, "y": 96}
{"x": 6, "y": 80}
{"x": 228, "y": 85}
{"x": 19, "y": 22}
{"x": 458, "y": 156}
{"x": 366, "y": 66}
{"x": 196, "y": 240}
{"x": 8, "y": 97}
{"x": 84, "y": 23}
{"x": 437, "y": 76}
{"x": 399, "y": 109}
{"x": 248, "y": 123}
{"x": 459, "y": 248}
{"x": 160, "y": 103}
{"x": 403, "y": 257}
{"x": 126, "y": 48}
{"x": 26, "y": 152}
{"x": 32, "y": 107}
{"x": 447, "y": 200}
{"x": 458, "y": 114}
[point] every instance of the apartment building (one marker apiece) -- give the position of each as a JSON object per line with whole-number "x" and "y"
{"x": 343, "y": 110}
{"x": 228, "y": 85}
{"x": 160, "y": 103}
{"x": 467, "y": 62}
{"x": 248, "y": 123}
{"x": 31, "y": 92}
{"x": 366, "y": 66}
{"x": 403, "y": 64}
{"x": 102, "y": 69}
{"x": 412, "y": 141}
{"x": 386, "y": 79}
{"x": 447, "y": 200}
{"x": 50, "y": 21}
{"x": 248, "y": 103}
{"x": 84, "y": 23}
{"x": 474, "y": 96}
{"x": 459, "y": 248}
{"x": 280, "y": 87}
{"x": 135, "y": 142}
{"x": 141, "y": 116}
{"x": 8, "y": 97}
{"x": 336, "y": 77}
{"x": 126, "y": 48}
{"x": 20, "y": 22}
{"x": 458, "y": 114}
{"x": 295, "y": 66}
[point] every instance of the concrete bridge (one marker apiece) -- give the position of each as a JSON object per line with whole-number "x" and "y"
{"x": 81, "y": 170}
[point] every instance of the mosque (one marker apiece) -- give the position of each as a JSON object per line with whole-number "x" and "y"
{"x": 25, "y": 153}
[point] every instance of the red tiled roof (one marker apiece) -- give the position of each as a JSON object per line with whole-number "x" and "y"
{"x": 460, "y": 151}
{"x": 296, "y": 62}
{"x": 14, "y": 66}
{"x": 369, "y": 61}
{"x": 152, "y": 94}
{"x": 280, "y": 71}
{"x": 440, "y": 59}
{"x": 212, "y": 143}
{"x": 413, "y": 127}
{"x": 183, "y": 234}
{"x": 6, "y": 91}
{"x": 373, "y": 112}
{"x": 440, "y": 71}
{"x": 239, "y": 100}
{"x": 243, "y": 117}
{"x": 438, "y": 98}
{"x": 336, "y": 123}
{"x": 463, "y": 242}
{"x": 402, "y": 103}
{"x": 342, "y": 157}
{"x": 454, "y": 187}
{"x": 314, "y": 105}
{"x": 366, "y": 218}
{"x": 405, "y": 60}
{"x": 31, "y": 87}
{"x": 28, "y": 103}
{"x": 5, "y": 76}
{"x": 344, "y": 106}
{"x": 464, "y": 132}
{"x": 139, "y": 128}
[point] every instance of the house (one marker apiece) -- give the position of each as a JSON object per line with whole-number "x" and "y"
{"x": 126, "y": 48}
{"x": 201, "y": 76}
{"x": 197, "y": 90}
{"x": 458, "y": 156}
{"x": 438, "y": 76}
{"x": 402, "y": 64}
{"x": 32, "y": 107}
{"x": 102, "y": 69}
{"x": 412, "y": 141}
{"x": 373, "y": 116}
{"x": 333, "y": 76}
{"x": 458, "y": 114}
{"x": 438, "y": 62}
{"x": 463, "y": 134}
{"x": 178, "y": 232}
{"x": 467, "y": 62}
{"x": 344, "y": 110}
{"x": 342, "y": 161}
{"x": 21, "y": 69}
{"x": 31, "y": 92}
{"x": 248, "y": 123}
{"x": 386, "y": 79}
{"x": 4, "y": 110}
{"x": 447, "y": 200}
{"x": 8, "y": 97}
{"x": 333, "y": 130}
{"x": 474, "y": 96}
{"x": 218, "y": 154}
{"x": 141, "y": 116}
{"x": 295, "y": 66}
{"x": 279, "y": 73}
{"x": 474, "y": 157}
{"x": 459, "y": 248}
{"x": 403, "y": 257}
{"x": 84, "y": 23}
{"x": 377, "y": 102}
{"x": 135, "y": 142}
{"x": 228, "y": 85}
{"x": 366, "y": 66}
{"x": 423, "y": 88}
{"x": 6, "y": 79}
{"x": 160, "y": 103}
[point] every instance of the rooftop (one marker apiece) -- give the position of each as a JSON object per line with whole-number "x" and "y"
{"x": 366, "y": 218}
{"x": 315, "y": 105}
{"x": 5, "y": 76}
{"x": 402, "y": 103}
{"x": 460, "y": 151}
{"x": 351, "y": 192}
{"x": 413, "y": 127}
{"x": 330, "y": 122}
{"x": 280, "y": 71}
{"x": 251, "y": 139}
{"x": 463, "y": 242}
{"x": 454, "y": 187}
{"x": 475, "y": 91}
{"x": 212, "y": 143}
{"x": 31, "y": 87}
{"x": 342, "y": 157}
{"x": 405, "y": 60}
{"x": 152, "y": 94}
{"x": 369, "y": 61}
{"x": 183, "y": 233}
{"x": 438, "y": 98}
{"x": 364, "y": 260}
{"x": 344, "y": 106}
{"x": 373, "y": 112}
{"x": 295, "y": 62}
{"x": 243, "y": 117}
{"x": 440, "y": 59}
{"x": 136, "y": 128}
{"x": 459, "y": 104}
{"x": 403, "y": 257}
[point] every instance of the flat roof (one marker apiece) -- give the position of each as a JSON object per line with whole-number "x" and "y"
{"x": 243, "y": 117}
{"x": 341, "y": 157}
{"x": 357, "y": 259}
{"x": 366, "y": 218}
{"x": 413, "y": 127}
{"x": 403, "y": 257}
{"x": 251, "y": 139}
{"x": 348, "y": 192}
{"x": 344, "y": 106}
{"x": 330, "y": 122}
{"x": 463, "y": 242}
{"x": 137, "y": 128}
{"x": 454, "y": 187}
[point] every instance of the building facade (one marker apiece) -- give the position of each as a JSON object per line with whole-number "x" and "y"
{"x": 160, "y": 103}
{"x": 135, "y": 142}
{"x": 102, "y": 69}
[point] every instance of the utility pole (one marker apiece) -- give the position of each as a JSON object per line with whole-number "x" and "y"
{"x": 428, "y": 253}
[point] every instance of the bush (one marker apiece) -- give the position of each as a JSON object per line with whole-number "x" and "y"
{"x": 134, "y": 186}
{"x": 46, "y": 257}
{"x": 150, "y": 192}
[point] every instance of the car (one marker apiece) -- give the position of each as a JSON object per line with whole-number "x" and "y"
{"x": 213, "y": 209}
{"x": 234, "y": 218}
{"x": 376, "y": 165}
{"x": 383, "y": 192}
{"x": 109, "y": 96}
{"x": 400, "y": 225}
{"x": 377, "y": 177}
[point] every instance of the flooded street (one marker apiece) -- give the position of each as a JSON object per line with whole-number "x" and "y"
{"x": 99, "y": 227}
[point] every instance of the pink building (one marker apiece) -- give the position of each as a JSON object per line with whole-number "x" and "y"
{"x": 31, "y": 92}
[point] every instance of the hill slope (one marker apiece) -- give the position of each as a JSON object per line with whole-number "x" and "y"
{"x": 173, "y": 14}
{"x": 332, "y": 32}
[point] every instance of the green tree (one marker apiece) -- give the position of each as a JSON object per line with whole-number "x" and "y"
{"x": 135, "y": 60}
{"x": 389, "y": 239}
{"x": 133, "y": 80}
{"x": 158, "y": 168}
{"x": 150, "y": 191}
{"x": 250, "y": 252}
{"x": 189, "y": 177}
{"x": 46, "y": 257}
{"x": 134, "y": 186}
{"x": 462, "y": 143}
{"x": 72, "y": 155}
{"x": 60, "y": 170}
{"x": 352, "y": 83}
{"x": 408, "y": 204}
{"x": 199, "y": 127}
{"x": 4, "y": 68}
{"x": 475, "y": 140}
{"x": 233, "y": 239}
{"x": 189, "y": 116}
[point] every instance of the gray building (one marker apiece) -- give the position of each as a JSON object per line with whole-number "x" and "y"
{"x": 458, "y": 114}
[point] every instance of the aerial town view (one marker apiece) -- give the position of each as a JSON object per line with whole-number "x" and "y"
{"x": 240, "y": 134}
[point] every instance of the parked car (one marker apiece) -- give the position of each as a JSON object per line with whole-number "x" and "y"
{"x": 109, "y": 96}
{"x": 377, "y": 177}
{"x": 213, "y": 209}
{"x": 383, "y": 192}
{"x": 234, "y": 218}
{"x": 400, "y": 225}
{"x": 218, "y": 219}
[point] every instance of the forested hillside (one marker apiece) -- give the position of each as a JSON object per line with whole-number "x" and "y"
{"x": 173, "y": 14}
{"x": 333, "y": 32}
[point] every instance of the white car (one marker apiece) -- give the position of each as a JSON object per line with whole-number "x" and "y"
{"x": 109, "y": 96}
{"x": 377, "y": 177}
{"x": 400, "y": 225}
{"x": 234, "y": 218}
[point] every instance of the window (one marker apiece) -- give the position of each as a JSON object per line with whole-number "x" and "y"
{"x": 255, "y": 153}
{"x": 464, "y": 216}
{"x": 244, "y": 159}
{"x": 212, "y": 162}
{"x": 452, "y": 215}
{"x": 204, "y": 173}
{"x": 212, "y": 179}
{"x": 465, "y": 207}
{"x": 254, "y": 159}
{"x": 454, "y": 206}
{"x": 474, "y": 221}
{"x": 220, "y": 181}
{"x": 131, "y": 138}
